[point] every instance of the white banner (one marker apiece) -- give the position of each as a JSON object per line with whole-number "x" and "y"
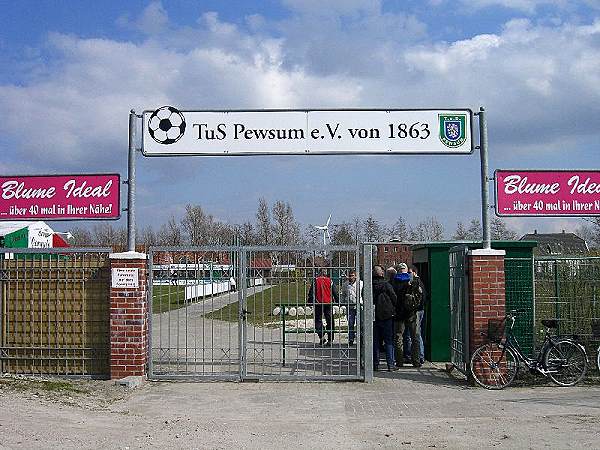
{"x": 167, "y": 131}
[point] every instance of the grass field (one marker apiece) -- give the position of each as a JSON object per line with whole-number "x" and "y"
{"x": 261, "y": 304}
{"x": 167, "y": 298}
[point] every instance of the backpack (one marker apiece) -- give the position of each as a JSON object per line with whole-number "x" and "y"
{"x": 384, "y": 308}
{"x": 413, "y": 297}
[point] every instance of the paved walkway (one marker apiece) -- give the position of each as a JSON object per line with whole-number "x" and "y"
{"x": 413, "y": 408}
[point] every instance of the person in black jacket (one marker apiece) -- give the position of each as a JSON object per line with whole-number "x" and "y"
{"x": 420, "y": 312}
{"x": 405, "y": 318}
{"x": 384, "y": 299}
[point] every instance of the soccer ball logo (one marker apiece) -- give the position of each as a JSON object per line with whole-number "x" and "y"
{"x": 166, "y": 125}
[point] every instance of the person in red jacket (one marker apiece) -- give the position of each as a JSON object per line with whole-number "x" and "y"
{"x": 322, "y": 293}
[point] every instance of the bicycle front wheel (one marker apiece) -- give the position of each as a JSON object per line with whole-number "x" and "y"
{"x": 493, "y": 366}
{"x": 565, "y": 362}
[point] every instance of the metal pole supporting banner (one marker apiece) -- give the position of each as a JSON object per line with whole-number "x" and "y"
{"x": 485, "y": 194}
{"x": 368, "y": 310}
{"x": 131, "y": 184}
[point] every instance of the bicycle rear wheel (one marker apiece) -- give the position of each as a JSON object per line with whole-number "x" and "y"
{"x": 494, "y": 367}
{"x": 566, "y": 362}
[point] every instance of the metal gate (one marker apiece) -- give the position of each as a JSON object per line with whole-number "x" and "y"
{"x": 459, "y": 309}
{"x": 54, "y": 316}
{"x": 244, "y": 313}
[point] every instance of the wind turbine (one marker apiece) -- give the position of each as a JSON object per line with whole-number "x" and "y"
{"x": 325, "y": 230}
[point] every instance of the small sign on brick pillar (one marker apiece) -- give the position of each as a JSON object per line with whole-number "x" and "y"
{"x": 486, "y": 293}
{"x": 128, "y": 315}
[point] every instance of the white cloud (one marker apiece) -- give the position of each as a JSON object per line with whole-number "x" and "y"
{"x": 527, "y": 6}
{"x": 153, "y": 19}
{"x": 534, "y": 80}
{"x": 80, "y": 109}
{"x": 540, "y": 84}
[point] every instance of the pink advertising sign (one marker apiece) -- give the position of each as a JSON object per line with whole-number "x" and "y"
{"x": 60, "y": 197}
{"x": 547, "y": 192}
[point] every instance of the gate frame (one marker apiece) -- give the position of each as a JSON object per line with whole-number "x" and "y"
{"x": 149, "y": 299}
{"x": 460, "y": 359}
{"x": 364, "y": 338}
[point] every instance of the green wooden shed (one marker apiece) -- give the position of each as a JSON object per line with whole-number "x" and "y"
{"x": 434, "y": 268}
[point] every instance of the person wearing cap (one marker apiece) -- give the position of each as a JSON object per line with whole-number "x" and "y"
{"x": 405, "y": 319}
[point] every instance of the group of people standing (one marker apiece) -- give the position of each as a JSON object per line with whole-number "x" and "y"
{"x": 399, "y": 308}
{"x": 399, "y": 304}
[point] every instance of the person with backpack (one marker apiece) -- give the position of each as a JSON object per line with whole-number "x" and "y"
{"x": 321, "y": 293}
{"x": 384, "y": 300}
{"x": 410, "y": 296}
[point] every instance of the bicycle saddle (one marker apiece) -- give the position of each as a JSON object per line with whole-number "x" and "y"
{"x": 550, "y": 323}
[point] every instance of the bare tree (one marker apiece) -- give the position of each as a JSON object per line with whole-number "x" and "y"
{"x": 311, "y": 235}
{"x": 246, "y": 233}
{"x": 106, "y": 235}
{"x": 461, "y": 232}
{"x": 263, "y": 222}
{"x": 196, "y": 225}
{"x": 590, "y": 232}
{"x": 429, "y": 229}
{"x": 342, "y": 234}
{"x": 81, "y": 237}
{"x": 220, "y": 233}
{"x": 499, "y": 230}
{"x": 358, "y": 229}
{"x": 170, "y": 233}
{"x": 399, "y": 230}
{"x": 473, "y": 233}
{"x": 285, "y": 228}
{"x": 148, "y": 237}
{"x": 373, "y": 229}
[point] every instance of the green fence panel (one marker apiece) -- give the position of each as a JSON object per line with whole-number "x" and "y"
{"x": 519, "y": 288}
{"x": 568, "y": 289}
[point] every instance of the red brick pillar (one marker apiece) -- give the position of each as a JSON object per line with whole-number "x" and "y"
{"x": 486, "y": 292}
{"x": 128, "y": 315}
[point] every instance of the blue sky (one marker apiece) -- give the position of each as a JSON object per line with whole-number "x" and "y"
{"x": 70, "y": 72}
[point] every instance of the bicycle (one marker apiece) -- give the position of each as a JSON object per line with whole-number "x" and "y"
{"x": 596, "y": 335}
{"x": 495, "y": 365}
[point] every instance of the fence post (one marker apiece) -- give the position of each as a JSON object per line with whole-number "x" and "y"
{"x": 129, "y": 319}
{"x": 486, "y": 292}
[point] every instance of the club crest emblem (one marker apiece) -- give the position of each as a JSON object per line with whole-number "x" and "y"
{"x": 453, "y": 129}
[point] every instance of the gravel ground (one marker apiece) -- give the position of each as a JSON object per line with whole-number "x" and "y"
{"x": 412, "y": 408}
